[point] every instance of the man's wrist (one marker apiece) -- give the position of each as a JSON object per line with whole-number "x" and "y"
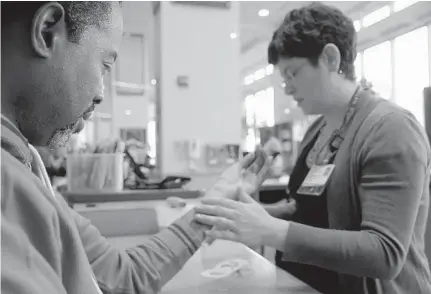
{"x": 276, "y": 234}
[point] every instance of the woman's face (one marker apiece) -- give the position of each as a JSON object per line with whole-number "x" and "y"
{"x": 310, "y": 84}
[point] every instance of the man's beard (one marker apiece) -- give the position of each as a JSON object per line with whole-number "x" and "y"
{"x": 61, "y": 136}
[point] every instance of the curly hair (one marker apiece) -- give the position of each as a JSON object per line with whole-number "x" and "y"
{"x": 79, "y": 15}
{"x": 305, "y": 32}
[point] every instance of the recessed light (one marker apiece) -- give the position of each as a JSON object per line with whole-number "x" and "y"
{"x": 128, "y": 112}
{"x": 287, "y": 111}
{"x": 153, "y": 81}
{"x": 263, "y": 12}
{"x": 233, "y": 36}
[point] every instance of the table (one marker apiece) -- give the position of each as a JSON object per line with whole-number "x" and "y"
{"x": 262, "y": 277}
{"x": 128, "y": 195}
{"x": 275, "y": 184}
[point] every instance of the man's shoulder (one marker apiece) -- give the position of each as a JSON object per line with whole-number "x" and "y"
{"x": 13, "y": 169}
{"x": 18, "y": 180}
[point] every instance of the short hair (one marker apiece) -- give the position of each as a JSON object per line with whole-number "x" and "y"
{"x": 79, "y": 15}
{"x": 305, "y": 32}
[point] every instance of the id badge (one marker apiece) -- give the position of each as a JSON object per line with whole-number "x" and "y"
{"x": 316, "y": 180}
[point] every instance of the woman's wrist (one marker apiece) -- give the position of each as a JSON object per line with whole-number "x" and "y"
{"x": 276, "y": 234}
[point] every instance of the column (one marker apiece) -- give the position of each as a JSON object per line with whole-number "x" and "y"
{"x": 197, "y": 70}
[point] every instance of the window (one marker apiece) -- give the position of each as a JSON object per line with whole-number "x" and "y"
{"x": 250, "y": 140}
{"x": 249, "y": 80}
{"x": 411, "y": 71}
{"x": 264, "y": 111}
{"x": 403, "y": 4}
{"x": 357, "y": 24}
{"x": 358, "y": 66}
{"x": 249, "y": 110}
{"x": 259, "y": 112}
{"x": 376, "y": 16}
{"x": 377, "y": 68}
{"x": 259, "y": 74}
{"x": 151, "y": 137}
{"x": 269, "y": 69}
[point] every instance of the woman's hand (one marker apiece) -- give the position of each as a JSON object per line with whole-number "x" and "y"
{"x": 244, "y": 221}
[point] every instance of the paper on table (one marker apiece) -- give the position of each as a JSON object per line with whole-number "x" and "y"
{"x": 225, "y": 268}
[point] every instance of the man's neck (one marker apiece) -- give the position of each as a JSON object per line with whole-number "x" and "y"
{"x": 341, "y": 96}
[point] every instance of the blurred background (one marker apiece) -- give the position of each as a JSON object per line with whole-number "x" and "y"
{"x": 198, "y": 72}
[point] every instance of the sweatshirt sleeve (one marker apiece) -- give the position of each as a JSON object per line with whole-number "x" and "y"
{"x": 144, "y": 268}
{"x": 394, "y": 173}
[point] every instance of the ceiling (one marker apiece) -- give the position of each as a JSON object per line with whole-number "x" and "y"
{"x": 255, "y": 29}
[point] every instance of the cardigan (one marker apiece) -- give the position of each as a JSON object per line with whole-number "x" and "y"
{"x": 377, "y": 202}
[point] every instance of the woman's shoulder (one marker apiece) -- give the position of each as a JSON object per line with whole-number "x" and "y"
{"x": 393, "y": 128}
{"x": 387, "y": 116}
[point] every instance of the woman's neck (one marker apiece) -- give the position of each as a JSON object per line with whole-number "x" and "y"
{"x": 341, "y": 97}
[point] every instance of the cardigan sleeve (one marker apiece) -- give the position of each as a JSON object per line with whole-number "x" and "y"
{"x": 394, "y": 162}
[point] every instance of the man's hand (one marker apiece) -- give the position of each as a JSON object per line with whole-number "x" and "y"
{"x": 273, "y": 146}
{"x": 244, "y": 221}
{"x": 249, "y": 173}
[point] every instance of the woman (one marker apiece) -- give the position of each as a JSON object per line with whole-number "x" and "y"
{"x": 361, "y": 182}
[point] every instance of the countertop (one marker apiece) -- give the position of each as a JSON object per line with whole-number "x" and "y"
{"x": 259, "y": 277}
{"x": 128, "y": 195}
{"x": 275, "y": 184}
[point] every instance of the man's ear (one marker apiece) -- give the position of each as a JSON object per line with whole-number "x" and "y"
{"x": 331, "y": 57}
{"x": 48, "y": 29}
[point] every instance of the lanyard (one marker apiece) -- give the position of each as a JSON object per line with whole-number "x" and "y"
{"x": 338, "y": 135}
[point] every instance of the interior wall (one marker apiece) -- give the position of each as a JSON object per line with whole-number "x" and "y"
{"x": 209, "y": 107}
{"x": 130, "y": 107}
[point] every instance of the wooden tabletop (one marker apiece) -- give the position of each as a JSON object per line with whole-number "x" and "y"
{"x": 260, "y": 277}
{"x": 129, "y": 195}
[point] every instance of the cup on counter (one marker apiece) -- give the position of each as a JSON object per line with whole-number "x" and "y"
{"x": 95, "y": 172}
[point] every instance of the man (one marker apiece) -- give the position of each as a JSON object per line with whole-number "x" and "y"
{"x": 54, "y": 56}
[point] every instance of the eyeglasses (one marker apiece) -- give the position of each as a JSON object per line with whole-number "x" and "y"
{"x": 290, "y": 76}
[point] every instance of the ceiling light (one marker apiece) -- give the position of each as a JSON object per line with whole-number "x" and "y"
{"x": 153, "y": 82}
{"x": 287, "y": 111}
{"x": 128, "y": 112}
{"x": 233, "y": 36}
{"x": 263, "y": 12}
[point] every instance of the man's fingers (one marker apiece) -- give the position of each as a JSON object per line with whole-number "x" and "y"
{"x": 263, "y": 172}
{"x": 225, "y": 235}
{"x": 260, "y": 158}
{"x": 216, "y": 211}
{"x": 219, "y": 222}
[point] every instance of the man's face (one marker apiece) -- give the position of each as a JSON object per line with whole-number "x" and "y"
{"x": 74, "y": 83}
